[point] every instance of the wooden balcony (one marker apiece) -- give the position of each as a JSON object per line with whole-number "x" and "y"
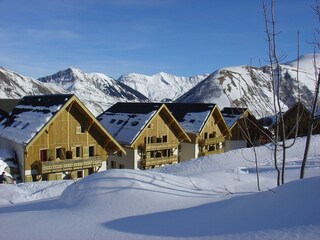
{"x": 67, "y": 165}
{"x": 210, "y": 141}
{"x": 149, "y": 162}
{"x": 158, "y": 146}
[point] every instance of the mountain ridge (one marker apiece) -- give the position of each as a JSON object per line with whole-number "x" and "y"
{"x": 237, "y": 86}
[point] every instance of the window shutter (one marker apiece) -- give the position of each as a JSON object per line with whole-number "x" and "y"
{"x": 73, "y": 150}
{"x": 86, "y": 151}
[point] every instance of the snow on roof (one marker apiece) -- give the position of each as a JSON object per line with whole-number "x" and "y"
{"x": 191, "y": 116}
{"x": 124, "y": 121}
{"x": 124, "y": 127}
{"x": 231, "y": 115}
{"x": 30, "y": 115}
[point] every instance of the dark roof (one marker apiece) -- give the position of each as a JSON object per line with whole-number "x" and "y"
{"x": 191, "y": 116}
{"x": 7, "y": 105}
{"x": 233, "y": 111}
{"x": 45, "y": 100}
{"x": 179, "y": 110}
{"x": 231, "y": 115}
{"x": 133, "y": 107}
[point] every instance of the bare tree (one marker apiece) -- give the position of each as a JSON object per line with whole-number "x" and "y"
{"x": 311, "y": 121}
{"x": 280, "y": 136}
{"x": 312, "y": 118}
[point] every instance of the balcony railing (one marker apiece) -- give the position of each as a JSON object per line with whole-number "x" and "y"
{"x": 210, "y": 141}
{"x": 68, "y": 165}
{"x": 149, "y": 162}
{"x": 158, "y": 146}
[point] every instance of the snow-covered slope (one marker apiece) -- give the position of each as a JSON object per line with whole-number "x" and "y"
{"x": 14, "y": 85}
{"x": 245, "y": 86}
{"x": 96, "y": 90}
{"x": 212, "y": 197}
{"x": 161, "y": 87}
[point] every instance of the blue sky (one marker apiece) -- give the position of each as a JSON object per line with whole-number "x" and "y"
{"x": 115, "y": 37}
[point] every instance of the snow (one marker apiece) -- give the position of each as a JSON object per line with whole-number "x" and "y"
{"x": 28, "y": 123}
{"x": 161, "y": 86}
{"x": 193, "y": 121}
{"x": 213, "y": 197}
{"x": 125, "y": 127}
{"x": 230, "y": 119}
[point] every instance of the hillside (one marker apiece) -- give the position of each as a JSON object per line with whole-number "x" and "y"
{"x": 14, "y": 85}
{"x": 251, "y": 87}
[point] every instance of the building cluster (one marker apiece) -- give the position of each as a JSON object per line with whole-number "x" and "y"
{"x": 56, "y": 137}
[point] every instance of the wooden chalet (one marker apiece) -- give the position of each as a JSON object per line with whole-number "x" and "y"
{"x": 246, "y": 130}
{"x": 296, "y": 122}
{"x": 147, "y": 131}
{"x": 204, "y": 125}
{"x": 56, "y": 137}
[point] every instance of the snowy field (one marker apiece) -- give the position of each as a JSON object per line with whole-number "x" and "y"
{"x": 213, "y": 197}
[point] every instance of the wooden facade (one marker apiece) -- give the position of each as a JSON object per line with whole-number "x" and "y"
{"x": 155, "y": 143}
{"x": 204, "y": 125}
{"x": 71, "y": 144}
{"x": 296, "y": 122}
{"x": 246, "y": 131}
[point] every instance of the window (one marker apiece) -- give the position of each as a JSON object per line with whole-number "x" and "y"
{"x": 113, "y": 164}
{"x": 212, "y": 135}
{"x": 80, "y": 129}
{"x": 78, "y": 151}
{"x": 112, "y": 120}
{"x": 165, "y": 153}
{"x": 59, "y": 153}
{"x": 43, "y": 155}
{"x": 91, "y": 151}
{"x": 119, "y": 122}
{"x": 26, "y": 125}
{"x": 79, "y": 174}
{"x": 164, "y": 138}
{"x": 205, "y": 135}
{"x": 134, "y": 123}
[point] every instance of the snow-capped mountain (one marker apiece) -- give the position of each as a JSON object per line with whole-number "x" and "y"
{"x": 96, "y": 90}
{"x": 14, "y": 85}
{"x": 251, "y": 87}
{"x": 161, "y": 87}
{"x": 241, "y": 86}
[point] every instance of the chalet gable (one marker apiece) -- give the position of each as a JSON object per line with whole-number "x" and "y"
{"x": 126, "y": 121}
{"x": 232, "y": 115}
{"x": 33, "y": 114}
{"x": 194, "y": 116}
